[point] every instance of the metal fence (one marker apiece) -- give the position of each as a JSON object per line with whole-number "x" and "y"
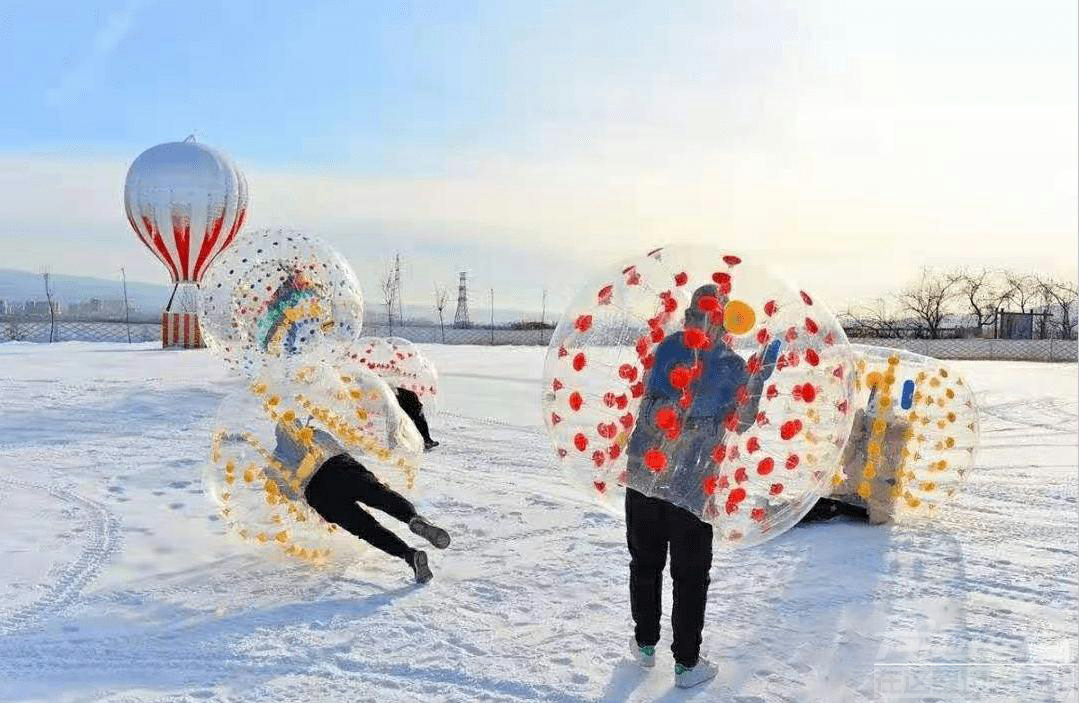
{"x": 79, "y": 331}
{"x": 998, "y": 349}
{"x": 498, "y": 336}
{"x": 112, "y": 331}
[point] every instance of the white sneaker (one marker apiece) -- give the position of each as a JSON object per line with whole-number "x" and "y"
{"x": 688, "y": 678}
{"x": 645, "y": 656}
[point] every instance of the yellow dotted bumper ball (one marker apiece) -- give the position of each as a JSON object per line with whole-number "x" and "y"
{"x": 271, "y": 436}
{"x": 915, "y": 435}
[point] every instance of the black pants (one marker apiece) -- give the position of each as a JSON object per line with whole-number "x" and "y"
{"x": 828, "y": 508}
{"x": 336, "y": 488}
{"x": 410, "y": 403}
{"x": 653, "y": 526}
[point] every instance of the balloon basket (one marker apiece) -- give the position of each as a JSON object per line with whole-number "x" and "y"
{"x": 180, "y": 330}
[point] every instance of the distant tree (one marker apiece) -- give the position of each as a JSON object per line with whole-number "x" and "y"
{"x": 1043, "y": 297}
{"x": 442, "y": 296}
{"x": 14, "y": 330}
{"x": 1022, "y": 290}
{"x": 929, "y": 299}
{"x": 981, "y": 291}
{"x": 388, "y": 286}
{"x": 876, "y": 319}
{"x": 1067, "y": 299}
{"x": 1062, "y": 296}
{"x": 531, "y": 325}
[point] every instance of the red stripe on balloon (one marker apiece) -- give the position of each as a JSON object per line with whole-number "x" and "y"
{"x": 138, "y": 232}
{"x": 181, "y": 234}
{"x": 159, "y": 248}
{"x": 236, "y": 225}
{"x": 145, "y": 238}
{"x": 209, "y": 238}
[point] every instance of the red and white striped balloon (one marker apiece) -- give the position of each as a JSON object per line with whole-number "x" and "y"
{"x": 186, "y": 203}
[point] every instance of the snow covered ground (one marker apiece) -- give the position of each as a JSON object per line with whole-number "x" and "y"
{"x": 117, "y": 583}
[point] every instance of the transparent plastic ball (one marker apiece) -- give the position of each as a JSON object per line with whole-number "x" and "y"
{"x": 277, "y": 293}
{"x": 271, "y": 436}
{"x": 710, "y": 382}
{"x": 399, "y": 362}
{"x": 914, "y": 437}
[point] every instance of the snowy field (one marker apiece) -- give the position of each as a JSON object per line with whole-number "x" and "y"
{"x": 117, "y": 583}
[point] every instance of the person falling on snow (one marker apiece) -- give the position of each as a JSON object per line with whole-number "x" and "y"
{"x": 875, "y": 507}
{"x": 654, "y": 523}
{"x": 339, "y": 483}
{"x": 413, "y": 407}
{"x": 310, "y": 464}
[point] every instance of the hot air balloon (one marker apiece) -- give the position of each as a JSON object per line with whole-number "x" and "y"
{"x": 186, "y": 203}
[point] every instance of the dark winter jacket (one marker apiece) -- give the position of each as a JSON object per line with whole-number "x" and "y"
{"x": 720, "y": 375}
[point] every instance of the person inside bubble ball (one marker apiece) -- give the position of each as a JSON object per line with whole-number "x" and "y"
{"x": 854, "y": 497}
{"x": 313, "y": 465}
{"x": 412, "y": 405}
{"x": 309, "y": 464}
{"x": 660, "y": 505}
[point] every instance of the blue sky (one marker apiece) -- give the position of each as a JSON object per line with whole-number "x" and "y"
{"x": 278, "y": 82}
{"x": 365, "y": 87}
{"x": 850, "y": 141}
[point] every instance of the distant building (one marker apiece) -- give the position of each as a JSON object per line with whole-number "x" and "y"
{"x": 40, "y": 309}
{"x": 97, "y": 309}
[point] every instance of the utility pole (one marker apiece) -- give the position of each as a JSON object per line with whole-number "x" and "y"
{"x": 460, "y": 318}
{"x": 543, "y": 316}
{"x": 492, "y": 316}
{"x": 127, "y": 310}
{"x": 52, "y": 310}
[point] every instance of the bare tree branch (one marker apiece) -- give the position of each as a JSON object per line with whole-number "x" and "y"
{"x": 442, "y": 296}
{"x": 1043, "y": 296}
{"x": 1062, "y": 296}
{"x": 388, "y": 286}
{"x": 981, "y": 290}
{"x": 929, "y": 299}
{"x": 1022, "y": 289}
{"x": 874, "y": 319}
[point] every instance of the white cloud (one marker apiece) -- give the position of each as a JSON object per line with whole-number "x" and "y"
{"x": 845, "y": 230}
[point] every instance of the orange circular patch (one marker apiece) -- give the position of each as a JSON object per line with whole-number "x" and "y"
{"x": 738, "y": 317}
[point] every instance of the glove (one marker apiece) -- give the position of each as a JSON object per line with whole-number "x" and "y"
{"x": 771, "y": 353}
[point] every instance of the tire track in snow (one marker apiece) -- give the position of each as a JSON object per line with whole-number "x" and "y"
{"x": 1051, "y": 413}
{"x": 65, "y": 584}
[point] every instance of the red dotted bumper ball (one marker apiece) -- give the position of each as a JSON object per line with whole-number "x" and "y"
{"x": 694, "y": 376}
{"x": 399, "y": 362}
